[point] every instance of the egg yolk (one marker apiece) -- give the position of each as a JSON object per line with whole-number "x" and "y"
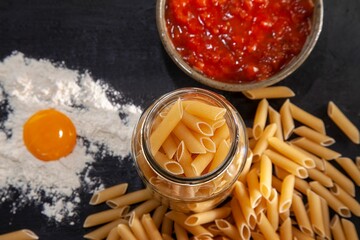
{"x": 49, "y": 135}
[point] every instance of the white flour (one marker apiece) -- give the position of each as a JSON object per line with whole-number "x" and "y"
{"x": 27, "y": 86}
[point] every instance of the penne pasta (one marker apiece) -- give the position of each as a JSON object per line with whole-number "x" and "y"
{"x": 262, "y": 143}
{"x": 287, "y": 190}
{"x": 169, "y": 165}
{"x": 286, "y": 230}
{"x": 337, "y": 229}
{"x": 180, "y": 232}
{"x": 169, "y": 146}
{"x": 326, "y": 218}
{"x": 287, "y": 121}
{"x": 242, "y": 197}
{"x": 300, "y": 235}
{"x": 105, "y": 216}
{"x": 206, "y": 142}
{"x": 159, "y": 214}
{"x": 167, "y": 226}
{"x": 350, "y": 168}
{"x": 269, "y": 92}
{"x": 150, "y": 228}
{"x": 346, "y": 199}
{"x": 318, "y": 162}
{"x": 207, "y": 216}
{"x": 191, "y": 143}
{"x": 339, "y": 178}
{"x": 108, "y": 193}
{"x": 319, "y": 176}
{"x": 343, "y": 122}
{"x": 301, "y": 216}
{"x": 257, "y": 236}
{"x": 196, "y": 124}
{"x": 307, "y": 119}
{"x": 221, "y": 134}
{"x": 23, "y": 234}
{"x": 113, "y": 235}
{"x": 145, "y": 207}
{"x": 254, "y": 189}
{"x": 260, "y": 118}
{"x": 266, "y": 228}
{"x": 265, "y": 176}
{"x": 239, "y": 219}
{"x": 130, "y": 198}
{"x": 332, "y": 201}
{"x": 318, "y": 150}
{"x": 137, "y": 227}
{"x": 316, "y": 215}
{"x": 125, "y": 232}
{"x": 275, "y": 118}
{"x": 166, "y": 126}
{"x": 183, "y": 156}
{"x": 290, "y": 152}
{"x": 220, "y": 155}
{"x": 103, "y": 231}
{"x": 272, "y": 209}
{"x": 314, "y": 136}
{"x": 350, "y": 229}
{"x": 204, "y": 110}
{"x": 228, "y": 229}
{"x": 200, "y": 162}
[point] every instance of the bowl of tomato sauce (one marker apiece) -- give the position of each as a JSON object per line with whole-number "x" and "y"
{"x": 237, "y": 45}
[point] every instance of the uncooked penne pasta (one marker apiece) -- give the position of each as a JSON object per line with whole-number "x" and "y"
{"x": 266, "y": 228}
{"x": 196, "y": 124}
{"x": 318, "y": 162}
{"x": 191, "y": 143}
{"x": 159, "y": 214}
{"x": 275, "y": 118}
{"x": 350, "y": 229}
{"x": 316, "y": 216}
{"x": 314, "y": 136}
{"x": 167, "y": 226}
{"x": 301, "y": 216}
{"x": 260, "y": 118}
{"x": 206, "y": 142}
{"x": 180, "y": 232}
{"x": 241, "y": 194}
{"x": 103, "y": 231}
{"x": 290, "y": 152}
{"x": 23, "y": 234}
{"x": 332, "y": 201}
{"x": 286, "y": 230}
{"x": 108, "y": 193}
{"x": 265, "y": 176}
{"x": 228, "y": 229}
{"x": 180, "y": 219}
{"x": 269, "y": 92}
{"x": 300, "y": 235}
{"x": 343, "y": 122}
{"x": 125, "y": 232}
{"x": 146, "y": 207}
{"x": 105, "y": 216}
{"x": 286, "y": 164}
{"x": 221, "y": 134}
{"x": 169, "y": 146}
{"x": 338, "y": 177}
{"x": 200, "y": 162}
{"x": 337, "y": 229}
{"x": 326, "y": 218}
{"x": 350, "y": 168}
{"x": 130, "y": 198}
{"x": 262, "y": 143}
{"x": 254, "y": 187}
{"x": 319, "y": 176}
{"x": 137, "y": 227}
{"x": 204, "y": 110}
{"x": 307, "y": 119}
{"x": 287, "y": 121}
{"x": 208, "y": 216}
{"x": 169, "y": 165}
{"x": 272, "y": 209}
{"x": 239, "y": 219}
{"x": 150, "y": 228}
{"x": 346, "y": 199}
{"x": 287, "y": 190}
{"x": 257, "y": 236}
{"x": 113, "y": 235}
{"x": 166, "y": 126}
{"x": 317, "y": 149}
{"x": 220, "y": 155}
{"x": 183, "y": 156}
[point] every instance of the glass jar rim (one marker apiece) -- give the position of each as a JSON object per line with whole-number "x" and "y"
{"x": 170, "y": 98}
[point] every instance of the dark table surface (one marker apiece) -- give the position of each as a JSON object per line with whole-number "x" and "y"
{"x": 117, "y": 41}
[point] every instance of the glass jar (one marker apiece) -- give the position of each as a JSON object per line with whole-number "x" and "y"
{"x": 182, "y": 193}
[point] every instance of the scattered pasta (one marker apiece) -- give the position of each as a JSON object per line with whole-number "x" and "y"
{"x": 23, "y": 234}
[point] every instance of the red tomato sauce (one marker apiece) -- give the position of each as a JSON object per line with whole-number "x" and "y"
{"x": 238, "y": 40}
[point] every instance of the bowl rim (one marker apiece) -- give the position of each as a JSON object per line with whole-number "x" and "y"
{"x": 294, "y": 64}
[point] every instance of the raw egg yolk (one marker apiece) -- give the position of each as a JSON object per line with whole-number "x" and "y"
{"x": 49, "y": 135}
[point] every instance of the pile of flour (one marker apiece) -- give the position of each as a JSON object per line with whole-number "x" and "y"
{"x": 103, "y": 126}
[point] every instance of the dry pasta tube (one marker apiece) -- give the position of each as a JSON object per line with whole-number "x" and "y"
{"x": 350, "y": 168}
{"x": 247, "y": 166}
{"x": 105, "y": 216}
{"x": 113, "y": 235}
{"x": 180, "y": 232}
{"x": 318, "y": 162}
{"x": 196, "y": 124}
{"x": 228, "y": 229}
{"x": 103, "y": 231}
{"x": 300, "y": 235}
{"x": 287, "y": 121}
{"x": 257, "y": 236}
{"x": 167, "y": 226}
{"x": 343, "y": 122}
{"x": 287, "y": 190}
{"x": 169, "y": 146}
{"x": 180, "y": 219}
{"x": 191, "y": 142}
{"x": 208, "y": 216}
{"x": 290, "y": 152}
{"x": 316, "y": 216}
{"x": 260, "y": 118}
{"x": 345, "y": 198}
{"x": 220, "y": 155}
{"x": 332, "y": 201}
{"x": 319, "y": 176}
{"x": 338, "y": 177}
{"x": 307, "y": 118}
{"x": 254, "y": 188}
{"x": 108, "y": 193}
{"x": 137, "y": 227}
{"x": 169, "y": 165}
{"x": 262, "y": 144}
{"x": 150, "y": 228}
{"x": 23, "y": 234}
{"x": 239, "y": 219}
{"x": 285, "y": 230}
{"x": 350, "y": 229}
{"x": 130, "y": 198}
{"x": 159, "y": 214}
{"x": 265, "y": 176}
{"x": 301, "y": 216}
{"x": 183, "y": 156}
{"x": 326, "y": 216}
{"x": 337, "y": 229}
{"x": 272, "y": 209}
{"x": 166, "y": 126}
{"x": 266, "y": 228}
{"x": 269, "y": 92}
{"x": 201, "y": 162}
{"x": 204, "y": 110}
{"x": 220, "y": 134}
{"x": 317, "y": 149}
{"x": 314, "y": 136}
{"x": 125, "y": 232}
{"x": 275, "y": 118}
{"x": 241, "y": 194}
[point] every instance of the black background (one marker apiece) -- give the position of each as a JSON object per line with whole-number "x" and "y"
{"x": 117, "y": 41}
